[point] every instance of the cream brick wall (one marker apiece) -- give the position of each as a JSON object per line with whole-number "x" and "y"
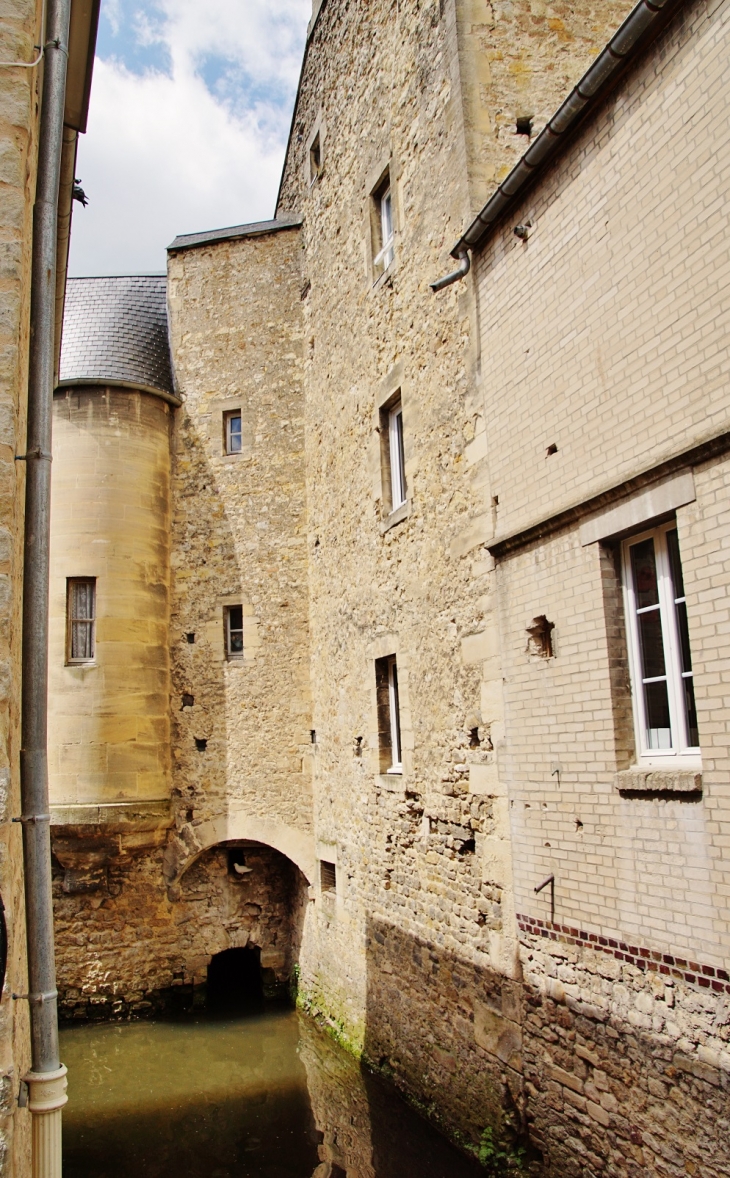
{"x": 109, "y": 728}
{"x": 608, "y": 323}
{"x": 19, "y": 25}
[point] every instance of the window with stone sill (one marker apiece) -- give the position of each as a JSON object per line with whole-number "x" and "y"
{"x": 232, "y": 432}
{"x": 388, "y": 698}
{"x": 660, "y": 662}
{"x": 233, "y": 620}
{"x": 80, "y": 620}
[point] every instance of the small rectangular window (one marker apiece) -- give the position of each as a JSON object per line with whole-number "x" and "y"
{"x": 389, "y": 734}
{"x": 327, "y": 876}
{"x": 659, "y": 652}
{"x": 232, "y": 431}
{"x": 234, "y": 631}
{"x": 315, "y": 158}
{"x": 80, "y": 619}
{"x": 383, "y": 226}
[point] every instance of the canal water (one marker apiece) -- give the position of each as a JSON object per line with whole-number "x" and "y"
{"x": 264, "y": 1094}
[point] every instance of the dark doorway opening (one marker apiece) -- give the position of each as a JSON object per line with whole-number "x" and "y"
{"x": 234, "y": 980}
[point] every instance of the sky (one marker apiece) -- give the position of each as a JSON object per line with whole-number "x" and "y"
{"x": 190, "y": 109}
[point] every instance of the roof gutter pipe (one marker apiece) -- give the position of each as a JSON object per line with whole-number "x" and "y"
{"x": 592, "y": 86}
{"x": 461, "y": 271}
{"x": 47, "y": 1078}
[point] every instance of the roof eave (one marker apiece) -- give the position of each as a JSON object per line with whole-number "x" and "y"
{"x": 641, "y": 27}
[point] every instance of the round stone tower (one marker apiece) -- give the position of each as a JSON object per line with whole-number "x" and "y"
{"x": 109, "y": 685}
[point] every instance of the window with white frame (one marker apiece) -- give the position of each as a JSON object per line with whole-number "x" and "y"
{"x": 383, "y": 229}
{"x": 80, "y": 619}
{"x": 396, "y": 455}
{"x": 389, "y": 735}
{"x": 659, "y": 651}
{"x": 232, "y": 431}
{"x": 233, "y": 616}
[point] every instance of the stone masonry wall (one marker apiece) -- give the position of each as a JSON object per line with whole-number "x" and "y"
{"x": 128, "y": 949}
{"x": 389, "y": 90}
{"x": 238, "y": 538}
{"x": 19, "y": 95}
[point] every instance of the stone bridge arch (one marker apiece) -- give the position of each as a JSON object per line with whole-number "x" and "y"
{"x": 189, "y": 842}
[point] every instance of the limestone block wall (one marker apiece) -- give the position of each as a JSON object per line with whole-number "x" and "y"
{"x": 19, "y": 95}
{"x": 109, "y": 719}
{"x": 426, "y": 854}
{"x": 241, "y": 726}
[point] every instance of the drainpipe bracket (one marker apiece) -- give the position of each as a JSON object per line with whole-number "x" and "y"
{"x": 47, "y": 1090}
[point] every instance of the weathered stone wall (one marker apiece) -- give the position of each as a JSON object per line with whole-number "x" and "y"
{"x": 128, "y": 949}
{"x": 19, "y": 25}
{"x": 426, "y": 853}
{"x": 238, "y": 537}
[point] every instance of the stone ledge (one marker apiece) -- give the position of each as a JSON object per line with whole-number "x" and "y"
{"x": 658, "y": 781}
{"x": 396, "y": 517}
{"x": 392, "y": 782}
{"x": 124, "y": 816}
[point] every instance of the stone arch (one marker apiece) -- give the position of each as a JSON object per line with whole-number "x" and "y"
{"x": 191, "y": 841}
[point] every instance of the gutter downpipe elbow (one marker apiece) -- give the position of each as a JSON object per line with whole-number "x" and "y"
{"x": 461, "y": 272}
{"x": 47, "y": 1078}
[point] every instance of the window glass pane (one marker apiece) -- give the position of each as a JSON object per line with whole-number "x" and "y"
{"x": 658, "y": 729}
{"x": 395, "y": 713}
{"x": 652, "y": 645}
{"x": 397, "y": 473}
{"x": 81, "y": 641}
{"x": 83, "y": 600}
{"x": 683, "y": 631}
{"x": 675, "y": 563}
{"x": 690, "y": 711}
{"x": 386, "y": 214}
{"x": 643, "y": 565}
{"x": 235, "y": 629}
{"x": 234, "y": 434}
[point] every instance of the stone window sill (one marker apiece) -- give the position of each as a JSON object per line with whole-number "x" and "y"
{"x": 396, "y": 517}
{"x": 636, "y": 782}
{"x": 392, "y": 782}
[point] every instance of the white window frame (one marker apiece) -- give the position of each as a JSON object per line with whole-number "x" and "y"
{"x": 231, "y": 654}
{"x": 73, "y": 620}
{"x": 681, "y": 755}
{"x": 396, "y": 753}
{"x": 397, "y": 456}
{"x": 229, "y": 417}
{"x": 387, "y": 236}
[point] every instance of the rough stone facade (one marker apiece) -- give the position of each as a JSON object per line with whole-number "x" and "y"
{"x": 569, "y": 391}
{"x": 106, "y": 970}
{"x": 19, "y": 25}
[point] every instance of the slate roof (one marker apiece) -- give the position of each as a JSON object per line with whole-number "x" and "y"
{"x": 115, "y": 331}
{"x": 186, "y": 241}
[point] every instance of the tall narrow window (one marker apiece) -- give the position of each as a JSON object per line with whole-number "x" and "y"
{"x": 397, "y": 457}
{"x": 315, "y": 159}
{"x": 80, "y": 619}
{"x": 234, "y": 631}
{"x": 232, "y": 431}
{"x": 389, "y": 734}
{"x": 661, "y": 665}
{"x": 383, "y": 229}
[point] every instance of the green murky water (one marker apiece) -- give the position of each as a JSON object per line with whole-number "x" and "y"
{"x": 265, "y": 1095}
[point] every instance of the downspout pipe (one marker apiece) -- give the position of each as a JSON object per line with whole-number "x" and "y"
{"x": 461, "y": 271}
{"x": 46, "y": 1080}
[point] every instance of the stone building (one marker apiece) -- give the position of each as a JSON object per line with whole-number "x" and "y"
{"x": 21, "y": 74}
{"x": 393, "y": 541}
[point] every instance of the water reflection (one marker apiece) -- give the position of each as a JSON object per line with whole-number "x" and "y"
{"x": 265, "y": 1095}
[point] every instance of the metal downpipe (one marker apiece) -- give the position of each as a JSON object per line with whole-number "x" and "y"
{"x": 463, "y": 269}
{"x": 46, "y": 1080}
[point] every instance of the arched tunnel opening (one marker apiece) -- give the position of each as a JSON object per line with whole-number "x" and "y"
{"x": 234, "y": 981}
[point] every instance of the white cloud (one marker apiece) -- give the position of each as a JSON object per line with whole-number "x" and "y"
{"x": 195, "y": 147}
